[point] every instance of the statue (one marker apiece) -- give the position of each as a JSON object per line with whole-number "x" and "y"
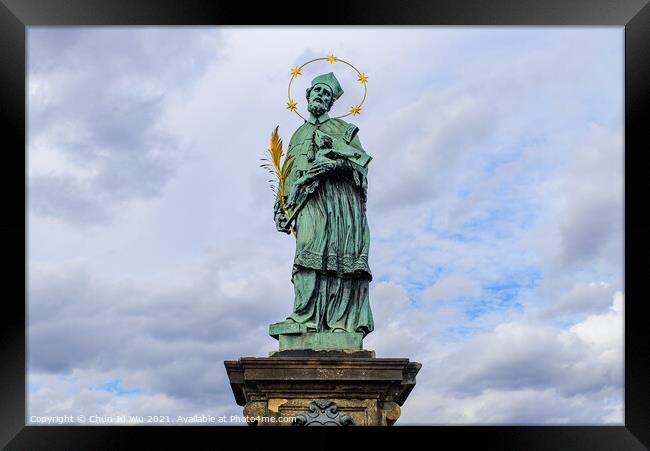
{"x": 321, "y": 366}
{"x": 325, "y": 200}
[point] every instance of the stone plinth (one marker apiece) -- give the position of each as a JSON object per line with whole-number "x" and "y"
{"x": 294, "y": 336}
{"x": 290, "y": 383}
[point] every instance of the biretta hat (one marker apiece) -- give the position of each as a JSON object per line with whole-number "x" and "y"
{"x": 331, "y": 81}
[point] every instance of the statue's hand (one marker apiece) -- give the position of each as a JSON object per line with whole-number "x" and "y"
{"x": 283, "y": 226}
{"x": 320, "y": 166}
{"x": 281, "y": 221}
{"x": 276, "y": 209}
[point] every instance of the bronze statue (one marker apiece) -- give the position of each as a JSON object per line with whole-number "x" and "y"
{"x": 322, "y": 199}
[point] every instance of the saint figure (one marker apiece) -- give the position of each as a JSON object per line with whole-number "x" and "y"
{"x": 326, "y": 203}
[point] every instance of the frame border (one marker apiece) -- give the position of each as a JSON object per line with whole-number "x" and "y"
{"x": 17, "y": 15}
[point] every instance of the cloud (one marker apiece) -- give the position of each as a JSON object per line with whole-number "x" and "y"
{"x": 152, "y": 335}
{"x": 100, "y": 119}
{"x": 428, "y": 139}
{"x": 65, "y": 196}
{"x": 604, "y": 331}
{"x": 517, "y": 372}
{"x": 583, "y": 298}
{"x": 526, "y": 373}
{"x": 451, "y": 287}
{"x": 77, "y": 394}
{"x": 514, "y": 407}
{"x": 593, "y": 220}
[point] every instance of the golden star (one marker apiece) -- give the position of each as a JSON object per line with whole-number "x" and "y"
{"x": 296, "y": 71}
{"x": 291, "y": 105}
{"x": 331, "y": 59}
{"x": 355, "y": 110}
{"x": 363, "y": 78}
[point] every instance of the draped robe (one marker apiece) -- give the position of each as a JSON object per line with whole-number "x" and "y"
{"x": 330, "y": 271}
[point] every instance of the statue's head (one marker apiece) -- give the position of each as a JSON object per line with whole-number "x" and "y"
{"x": 323, "y": 92}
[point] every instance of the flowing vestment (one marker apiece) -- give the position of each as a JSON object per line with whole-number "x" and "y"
{"x": 330, "y": 270}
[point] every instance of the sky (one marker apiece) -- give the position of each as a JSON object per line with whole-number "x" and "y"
{"x": 495, "y": 207}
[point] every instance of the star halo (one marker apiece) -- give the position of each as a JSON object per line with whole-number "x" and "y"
{"x": 297, "y": 71}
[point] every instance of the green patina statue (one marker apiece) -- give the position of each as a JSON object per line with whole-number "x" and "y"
{"x": 326, "y": 204}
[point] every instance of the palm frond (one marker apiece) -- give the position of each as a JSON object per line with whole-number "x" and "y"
{"x": 280, "y": 169}
{"x": 275, "y": 148}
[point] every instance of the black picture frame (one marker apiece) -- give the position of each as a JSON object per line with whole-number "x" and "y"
{"x": 17, "y": 15}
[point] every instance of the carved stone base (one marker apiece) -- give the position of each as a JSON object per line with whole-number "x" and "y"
{"x": 296, "y": 336}
{"x": 366, "y": 391}
{"x": 321, "y": 341}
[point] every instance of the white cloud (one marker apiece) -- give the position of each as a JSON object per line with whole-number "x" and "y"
{"x": 98, "y": 120}
{"x": 604, "y": 331}
{"x": 451, "y": 287}
{"x": 154, "y": 333}
{"x": 582, "y": 298}
{"x": 523, "y": 372}
{"x": 80, "y": 394}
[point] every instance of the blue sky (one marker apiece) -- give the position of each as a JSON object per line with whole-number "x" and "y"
{"x": 495, "y": 207}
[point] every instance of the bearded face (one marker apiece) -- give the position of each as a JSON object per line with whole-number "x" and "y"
{"x": 319, "y": 100}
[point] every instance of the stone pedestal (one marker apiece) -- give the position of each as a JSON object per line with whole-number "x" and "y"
{"x": 311, "y": 387}
{"x": 296, "y": 336}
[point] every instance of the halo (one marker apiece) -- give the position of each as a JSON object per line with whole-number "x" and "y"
{"x": 297, "y": 71}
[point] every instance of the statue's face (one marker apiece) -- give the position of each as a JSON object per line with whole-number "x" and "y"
{"x": 319, "y": 99}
